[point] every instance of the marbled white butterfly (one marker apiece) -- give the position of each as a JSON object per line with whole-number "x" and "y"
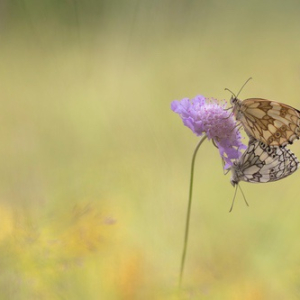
{"x": 261, "y": 163}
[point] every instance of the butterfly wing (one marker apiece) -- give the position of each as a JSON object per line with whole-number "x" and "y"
{"x": 261, "y": 163}
{"x": 280, "y": 163}
{"x": 273, "y": 123}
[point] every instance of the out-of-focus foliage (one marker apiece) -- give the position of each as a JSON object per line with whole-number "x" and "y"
{"x": 95, "y": 166}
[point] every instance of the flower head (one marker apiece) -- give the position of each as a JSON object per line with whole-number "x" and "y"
{"x": 211, "y": 118}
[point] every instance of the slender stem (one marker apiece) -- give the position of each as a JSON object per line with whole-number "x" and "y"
{"x": 187, "y": 222}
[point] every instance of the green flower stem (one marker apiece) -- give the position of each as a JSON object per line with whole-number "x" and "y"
{"x": 187, "y": 223}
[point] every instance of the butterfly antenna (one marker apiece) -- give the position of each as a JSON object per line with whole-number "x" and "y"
{"x": 243, "y": 195}
{"x": 233, "y": 94}
{"x": 233, "y": 199}
{"x": 243, "y": 86}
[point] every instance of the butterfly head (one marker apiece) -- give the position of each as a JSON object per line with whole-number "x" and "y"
{"x": 234, "y": 180}
{"x": 234, "y": 100}
{"x": 235, "y": 104}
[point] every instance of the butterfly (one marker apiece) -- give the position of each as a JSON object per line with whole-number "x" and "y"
{"x": 261, "y": 163}
{"x": 273, "y": 123}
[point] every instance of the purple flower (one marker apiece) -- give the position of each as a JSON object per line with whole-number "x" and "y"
{"x": 210, "y": 117}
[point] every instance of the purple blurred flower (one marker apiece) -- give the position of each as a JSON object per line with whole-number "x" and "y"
{"x": 211, "y": 118}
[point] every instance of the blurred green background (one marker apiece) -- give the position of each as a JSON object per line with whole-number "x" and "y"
{"x": 95, "y": 166}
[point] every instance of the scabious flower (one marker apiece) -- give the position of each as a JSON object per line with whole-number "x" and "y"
{"x": 210, "y": 117}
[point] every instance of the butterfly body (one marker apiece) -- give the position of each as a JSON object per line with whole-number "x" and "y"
{"x": 271, "y": 122}
{"x": 261, "y": 163}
